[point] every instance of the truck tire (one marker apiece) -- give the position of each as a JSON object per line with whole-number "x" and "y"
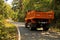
{"x": 27, "y": 25}
{"x": 32, "y": 27}
{"x": 45, "y": 28}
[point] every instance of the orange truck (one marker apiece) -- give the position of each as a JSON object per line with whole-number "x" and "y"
{"x": 35, "y": 19}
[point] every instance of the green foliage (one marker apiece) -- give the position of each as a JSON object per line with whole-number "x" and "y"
{"x": 8, "y": 12}
{"x": 5, "y": 10}
{"x": 42, "y": 5}
{"x": 7, "y": 33}
{"x": 57, "y": 13}
{"x": 16, "y": 9}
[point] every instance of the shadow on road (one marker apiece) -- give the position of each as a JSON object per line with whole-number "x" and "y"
{"x": 26, "y": 34}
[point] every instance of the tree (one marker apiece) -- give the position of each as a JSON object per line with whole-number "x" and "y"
{"x": 5, "y": 10}
{"x": 42, "y": 5}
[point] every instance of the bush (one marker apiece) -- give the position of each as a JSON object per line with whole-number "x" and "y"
{"x": 8, "y": 33}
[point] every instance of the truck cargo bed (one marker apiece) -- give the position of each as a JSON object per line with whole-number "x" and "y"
{"x": 40, "y": 15}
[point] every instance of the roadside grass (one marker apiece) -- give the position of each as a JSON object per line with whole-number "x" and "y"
{"x": 8, "y": 31}
{"x": 55, "y": 29}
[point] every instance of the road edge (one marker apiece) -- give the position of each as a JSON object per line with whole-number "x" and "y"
{"x": 19, "y": 37}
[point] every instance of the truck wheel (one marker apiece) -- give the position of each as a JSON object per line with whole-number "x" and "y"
{"x": 45, "y": 28}
{"x": 27, "y": 25}
{"x": 32, "y": 27}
